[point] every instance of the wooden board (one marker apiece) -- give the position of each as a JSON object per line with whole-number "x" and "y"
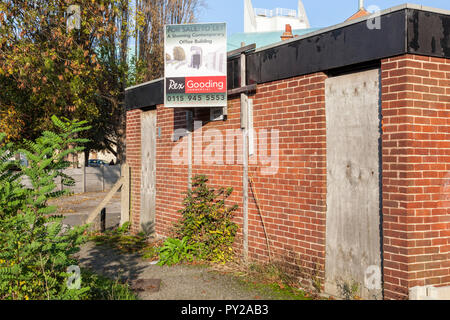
{"x": 353, "y": 177}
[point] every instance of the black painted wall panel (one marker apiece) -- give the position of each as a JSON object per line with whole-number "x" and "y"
{"x": 146, "y": 95}
{"x": 428, "y": 33}
{"x": 345, "y": 46}
{"x": 404, "y": 31}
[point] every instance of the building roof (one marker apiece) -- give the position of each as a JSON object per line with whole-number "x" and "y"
{"x": 361, "y": 13}
{"x": 261, "y": 39}
{"x": 407, "y": 29}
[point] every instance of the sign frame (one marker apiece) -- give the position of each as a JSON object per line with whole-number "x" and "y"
{"x": 202, "y": 79}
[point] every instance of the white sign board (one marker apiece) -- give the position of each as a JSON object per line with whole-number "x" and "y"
{"x": 195, "y": 59}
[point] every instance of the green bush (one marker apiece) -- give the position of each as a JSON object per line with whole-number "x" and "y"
{"x": 175, "y": 251}
{"x": 121, "y": 240}
{"x": 103, "y": 288}
{"x": 35, "y": 251}
{"x": 207, "y": 221}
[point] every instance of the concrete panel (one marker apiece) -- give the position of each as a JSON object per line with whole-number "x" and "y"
{"x": 78, "y": 176}
{"x": 148, "y": 178}
{"x": 94, "y": 179}
{"x": 429, "y": 293}
{"x": 97, "y": 179}
{"x": 353, "y": 254}
{"x": 110, "y": 175}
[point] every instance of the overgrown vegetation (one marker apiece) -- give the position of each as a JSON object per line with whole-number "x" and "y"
{"x": 207, "y": 222}
{"x": 35, "y": 249}
{"x": 103, "y": 288}
{"x": 175, "y": 251}
{"x": 205, "y": 232}
{"x": 348, "y": 289}
{"x": 47, "y": 69}
{"x": 121, "y": 240}
{"x": 271, "y": 279}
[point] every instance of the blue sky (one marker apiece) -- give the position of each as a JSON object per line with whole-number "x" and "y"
{"x": 321, "y": 13}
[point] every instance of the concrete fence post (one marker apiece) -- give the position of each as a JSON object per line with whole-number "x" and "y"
{"x": 103, "y": 177}
{"x": 84, "y": 178}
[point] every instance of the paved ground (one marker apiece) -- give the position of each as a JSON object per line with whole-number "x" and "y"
{"x": 177, "y": 282}
{"x": 77, "y": 208}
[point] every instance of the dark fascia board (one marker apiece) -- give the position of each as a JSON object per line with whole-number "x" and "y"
{"x": 404, "y": 29}
{"x": 428, "y": 33}
{"x": 349, "y": 45}
{"x": 242, "y": 50}
{"x": 145, "y": 95}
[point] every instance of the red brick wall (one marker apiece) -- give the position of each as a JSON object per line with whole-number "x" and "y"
{"x": 171, "y": 179}
{"x": 292, "y": 200}
{"x": 416, "y": 173}
{"x": 223, "y": 172}
{"x": 133, "y": 150}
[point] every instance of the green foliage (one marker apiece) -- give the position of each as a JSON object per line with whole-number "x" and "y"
{"x": 348, "y": 290}
{"x": 35, "y": 250}
{"x": 207, "y": 221}
{"x": 175, "y": 251}
{"x": 103, "y": 288}
{"x": 46, "y": 69}
{"x": 150, "y": 253}
{"x": 121, "y": 240}
{"x": 124, "y": 228}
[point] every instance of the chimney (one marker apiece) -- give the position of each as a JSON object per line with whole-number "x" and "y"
{"x": 287, "y": 33}
{"x": 362, "y": 12}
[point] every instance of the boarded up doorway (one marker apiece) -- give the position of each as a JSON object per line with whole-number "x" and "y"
{"x": 148, "y": 178}
{"x": 353, "y": 249}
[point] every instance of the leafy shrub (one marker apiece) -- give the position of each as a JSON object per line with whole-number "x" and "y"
{"x": 207, "y": 221}
{"x": 120, "y": 239}
{"x": 35, "y": 251}
{"x": 348, "y": 289}
{"x": 175, "y": 251}
{"x": 103, "y": 288}
{"x": 150, "y": 253}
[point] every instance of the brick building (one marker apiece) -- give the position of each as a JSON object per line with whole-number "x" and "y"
{"x": 350, "y": 167}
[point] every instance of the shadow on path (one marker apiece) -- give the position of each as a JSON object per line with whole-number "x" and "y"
{"x": 180, "y": 282}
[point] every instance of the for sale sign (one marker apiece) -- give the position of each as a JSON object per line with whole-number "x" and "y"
{"x": 195, "y": 65}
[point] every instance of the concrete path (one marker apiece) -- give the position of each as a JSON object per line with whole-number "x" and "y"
{"x": 177, "y": 282}
{"x": 76, "y": 208}
{"x": 180, "y": 282}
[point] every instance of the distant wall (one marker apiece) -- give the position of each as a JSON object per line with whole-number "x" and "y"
{"x": 88, "y": 179}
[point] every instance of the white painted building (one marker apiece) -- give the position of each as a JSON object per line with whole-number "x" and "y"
{"x": 265, "y": 20}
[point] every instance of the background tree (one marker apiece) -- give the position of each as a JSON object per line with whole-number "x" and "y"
{"x": 47, "y": 70}
{"x": 151, "y": 18}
